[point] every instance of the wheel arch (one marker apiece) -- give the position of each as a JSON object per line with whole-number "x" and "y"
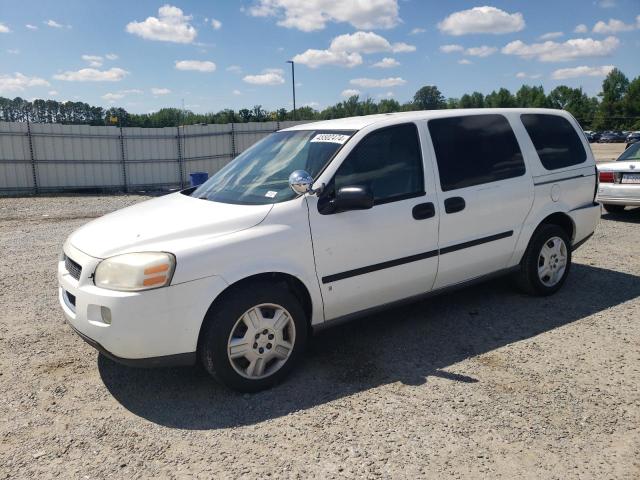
{"x": 561, "y": 219}
{"x": 291, "y": 282}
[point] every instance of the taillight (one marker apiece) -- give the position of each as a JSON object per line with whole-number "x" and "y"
{"x": 606, "y": 177}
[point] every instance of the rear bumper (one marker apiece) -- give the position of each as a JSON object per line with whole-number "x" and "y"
{"x": 585, "y": 220}
{"x": 619, "y": 194}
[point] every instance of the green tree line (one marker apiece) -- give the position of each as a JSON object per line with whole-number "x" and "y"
{"x": 617, "y": 106}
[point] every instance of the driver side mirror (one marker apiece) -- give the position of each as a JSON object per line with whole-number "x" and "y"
{"x": 352, "y": 198}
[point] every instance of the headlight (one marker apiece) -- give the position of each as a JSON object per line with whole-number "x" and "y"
{"x": 136, "y": 271}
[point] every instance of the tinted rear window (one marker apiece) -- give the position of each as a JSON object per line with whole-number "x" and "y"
{"x": 475, "y": 149}
{"x": 555, "y": 139}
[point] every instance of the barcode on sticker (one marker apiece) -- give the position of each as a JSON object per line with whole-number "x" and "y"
{"x": 270, "y": 194}
{"x": 330, "y": 138}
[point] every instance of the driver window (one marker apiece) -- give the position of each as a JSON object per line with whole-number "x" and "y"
{"x": 388, "y": 162}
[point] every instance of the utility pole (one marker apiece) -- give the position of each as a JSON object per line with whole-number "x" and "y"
{"x": 293, "y": 82}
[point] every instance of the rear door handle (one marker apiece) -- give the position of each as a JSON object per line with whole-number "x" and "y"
{"x": 423, "y": 210}
{"x": 454, "y": 204}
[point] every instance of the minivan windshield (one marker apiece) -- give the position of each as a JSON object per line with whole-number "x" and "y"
{"x": 631, "y": 154}
{"x": 260, "y": 175}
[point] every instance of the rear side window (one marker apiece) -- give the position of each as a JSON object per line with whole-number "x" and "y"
{"x": 555, "y": 139}
{"x": 387, "y": 161}
{"x": 475, "y": 149}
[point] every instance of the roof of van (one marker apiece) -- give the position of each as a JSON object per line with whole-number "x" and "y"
{"x": 358, "y": 123}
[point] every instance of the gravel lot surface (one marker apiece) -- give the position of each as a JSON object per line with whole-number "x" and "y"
{"x": 483, "y": 382}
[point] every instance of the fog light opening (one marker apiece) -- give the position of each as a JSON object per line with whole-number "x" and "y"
{"x": 105, "y": 312}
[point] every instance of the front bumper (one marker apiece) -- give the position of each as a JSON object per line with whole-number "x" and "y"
{"x": 149, "y": 328}
{"x": 619, "y": 194}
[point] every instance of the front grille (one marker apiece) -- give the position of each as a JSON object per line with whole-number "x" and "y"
{"x": 72, "y": 267}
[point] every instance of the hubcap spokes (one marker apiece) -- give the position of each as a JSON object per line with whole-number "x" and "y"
{"x": 261, "y": 341}
{"x": 552, "y": 261}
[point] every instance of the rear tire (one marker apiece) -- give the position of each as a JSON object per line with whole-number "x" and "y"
{"x": 546, "y": 262}
{"x": 253, "y": 337}
{"x": 613, "y": 208}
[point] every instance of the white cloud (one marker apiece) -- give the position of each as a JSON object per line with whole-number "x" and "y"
{"x": 350, "y": 92}
{"x": 464, "y": 61}
{"x": 13, "y": 51}
{"x": 315, "y": 58}
{"x": 583, "y": 71}
{"x": 19, "y": 82}
{"x": 378, "y": 82}
{"x": 234, "y": 69}
{"x": 613, "y": 26}
{"x": 160, "y": 91}
{"x": 171, "y": 25}
{"x": 386, "y": 62}
{"x": 54, "y": 24}
{"x": 111, "y": 56}
{"x": 606, "y": 3}
{"x": 93, "y": 60}
{"x": 196, "y": 65}
{"x": 31, "y": 27}
{"x": 4, "y": 28}
{"x": 93, "y": 75}
{"x": 52, "y": 93}
{"x": 345, "y": 50}
{"x": 551, "y": 35}
{"x": 237, "y": 92}
{"x": 582, "y": 28}
{"x": 112, "y": 97}
{"x": 402, "y": 47}
{"x": 270, "y": 76}
{"x": 417, "y": 31}
{"x": 367, "y": 42}
{"x": 482, "y": 20}
{"x": 216, "y": 24}
{"x": 310, "y": 15}
{"x": 528, "y": 75}
{"x": 451, "y": 48}
{"x": 482, "y": 51}
{"x": 557, "y": 52}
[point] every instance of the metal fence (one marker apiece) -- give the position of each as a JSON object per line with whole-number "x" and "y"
{"x": 51, "y": 158}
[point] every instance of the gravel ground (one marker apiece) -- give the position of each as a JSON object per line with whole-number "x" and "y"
{"x": 607, "y": 152}
{"x": 483, "y": 382}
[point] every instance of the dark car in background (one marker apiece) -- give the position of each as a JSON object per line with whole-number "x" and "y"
{"x": 632, "y": 138}
{"x": 612, "y": 137}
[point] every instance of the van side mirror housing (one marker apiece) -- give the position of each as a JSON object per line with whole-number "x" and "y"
{"x": 353, "y": 197}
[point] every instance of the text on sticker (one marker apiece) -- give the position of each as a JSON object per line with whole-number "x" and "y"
{"x": 330, "y": 138}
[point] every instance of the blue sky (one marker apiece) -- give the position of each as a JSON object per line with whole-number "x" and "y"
{"x": 144, "y": 55}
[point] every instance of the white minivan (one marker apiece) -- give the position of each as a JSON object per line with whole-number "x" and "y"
{"x": 327, "y": 221}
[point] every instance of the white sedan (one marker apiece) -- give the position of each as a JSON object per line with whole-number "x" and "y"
{"x": 620, "y": 181}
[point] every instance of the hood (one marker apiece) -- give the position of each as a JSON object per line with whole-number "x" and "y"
{"x": 622, "y": 166}
{"x": 163, "y": 219}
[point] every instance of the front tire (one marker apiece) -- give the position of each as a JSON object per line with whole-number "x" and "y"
{"x": 253, "y": 337}
{"x": 613, "y": 208}
{"x": 546, "y": 262}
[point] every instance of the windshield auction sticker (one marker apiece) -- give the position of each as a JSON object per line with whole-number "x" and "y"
{"x": 330, "y": 138}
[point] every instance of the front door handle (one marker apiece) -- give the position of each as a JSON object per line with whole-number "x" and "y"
{"x": 454, "y": 204}
{"x": 423, "y": 210}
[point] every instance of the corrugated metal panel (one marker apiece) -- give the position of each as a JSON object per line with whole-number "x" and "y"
{"x": 15, "y": 159}
{"x": 152, "y": 156}
{"x": 206, "y": 148}
{"x": 71, "y": 157}
{"x": 249, "y": 133}
{"x": 76, "y": 156}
